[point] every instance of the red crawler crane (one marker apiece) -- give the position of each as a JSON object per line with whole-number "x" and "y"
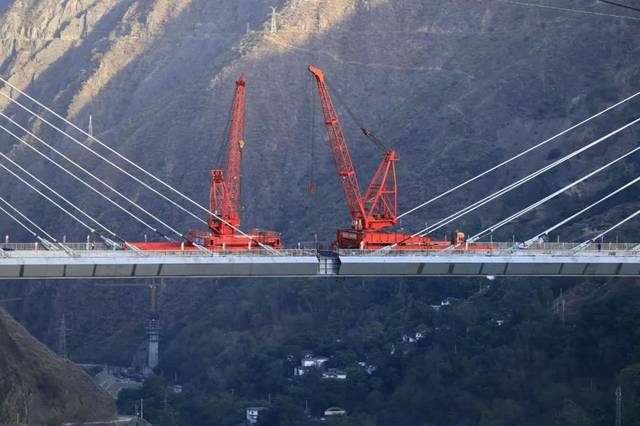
{"x": 224, "y": 199}
{"x": 377, "y": 210}
{"x": 225, "y": 194}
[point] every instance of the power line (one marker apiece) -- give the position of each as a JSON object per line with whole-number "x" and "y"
{"x": 515, "y": 157}
{"x": 566, "y": 9}
{"x": 62, "y": 339}
{"x": 133, "y": 164}
{"x": 624, "y": 6}
{"x": 538, "y": 203}
{"x": 619, "y": 405}
{"x": 429, "y": 229}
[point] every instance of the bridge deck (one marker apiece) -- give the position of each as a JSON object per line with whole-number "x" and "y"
{"x": 83, "y": 262}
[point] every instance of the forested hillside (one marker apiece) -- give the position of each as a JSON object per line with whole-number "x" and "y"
{"x": 500, "y": 354}
{"x": 455, "y": 86}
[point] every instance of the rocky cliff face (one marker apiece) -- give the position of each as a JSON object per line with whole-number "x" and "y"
{"x": 455, "y": 86}
{"x": 37, "y": 387}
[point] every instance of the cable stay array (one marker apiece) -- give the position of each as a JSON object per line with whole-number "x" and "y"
{"x": 470, "y": 208}
{"x": 46, "y": 239}
{"x": 81, "y": 144}
{"x": 520, "y": 155}
{"x": 372, "y": 212}
{"x": 84, "y": 183}
{"x": 546, "y": 232}
{"x": 91, "y": 229}
{"x": 125, "y": 159}
{"x": 590, "y": 241}
{"x": 549, "y": 197}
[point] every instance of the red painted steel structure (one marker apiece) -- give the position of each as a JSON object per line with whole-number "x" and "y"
{"x": 225, "y": 194}
{"x": 224, "y": 198}
{"x": 377, "y": 210}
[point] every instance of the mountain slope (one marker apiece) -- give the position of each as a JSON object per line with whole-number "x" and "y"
{"x": 455, "y": 86}
{"x": 38, "y": 387}
{"x": 445, "y": 83}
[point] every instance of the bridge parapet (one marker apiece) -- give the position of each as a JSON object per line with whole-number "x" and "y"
{"x": 102, "y": 250}
{"x": 620, "y": 260}
{"x": 511, "y": 249}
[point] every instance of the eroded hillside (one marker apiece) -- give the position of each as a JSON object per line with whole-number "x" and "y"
{"x": 455, "y": 86}
{"x": 37, "y": 387}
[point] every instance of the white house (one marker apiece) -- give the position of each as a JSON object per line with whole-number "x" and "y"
{"x": 408, "y": 339}
{"x": 335, "y": 411}
{"x": 447, "y": 301}
{"x": 253, "y": 413}
{"x": 367, "y": 367}
{"x": 335, "y": 374}
{"x": 309, "y": 361}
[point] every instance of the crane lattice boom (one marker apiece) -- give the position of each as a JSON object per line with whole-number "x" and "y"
{"x": 225, "y": 189}
{"x": 378, "y": 208}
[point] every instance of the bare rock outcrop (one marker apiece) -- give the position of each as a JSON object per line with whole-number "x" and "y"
{"x": 39, "y": 387}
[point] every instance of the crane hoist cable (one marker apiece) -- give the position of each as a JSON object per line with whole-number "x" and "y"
{"x": 311, "y": 188}
{"x": 365, "y": 131}
{"x": 521, "y": 154}
{"x": 376, "y": 209}
{"x": 124, "y": 158}
{"x": 224, "y": 138}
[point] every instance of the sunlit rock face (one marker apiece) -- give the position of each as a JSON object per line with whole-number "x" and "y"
{"x": 454, "y": 86}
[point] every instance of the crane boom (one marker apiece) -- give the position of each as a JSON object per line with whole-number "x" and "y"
{"x": 225, "y": 189}
{"x": 378, "y": 208}
{"x": 224, "y": 198}
{"x": 341, "y": 154}
{"x": 236, "y": 145}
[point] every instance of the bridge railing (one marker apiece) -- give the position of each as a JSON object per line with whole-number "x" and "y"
{"x": 244, "y": 253}
{"x": 501, "y": 249}
{"x": 36, "y": 246}
{"x": 103, "y": 250}
{"x": 513, "y": 249}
